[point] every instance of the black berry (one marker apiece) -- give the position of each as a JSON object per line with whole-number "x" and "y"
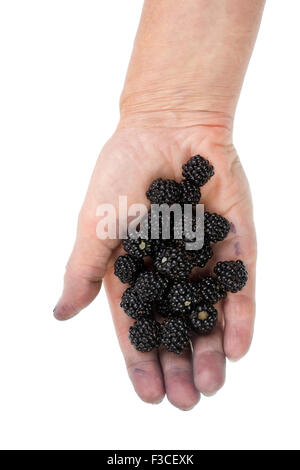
{"x": 133, "y": 306}
{"x": 190, "y": 192}
{"x": 232, "y": 275}
{"x": 198, "y": 170}
{"x": 175, "y": 334}
{"x": 203, "y": 319}
{"x": 145, "y": 334}
{"x": 210, "y": 290}
{"x": 172, "y": 262}
{"x": 216, "y": 227}
{"x": 150, "y": 286}
{"x": 128, "y": 268}
{"x": 164, "y": 191}
{"x": 138, "y": 248}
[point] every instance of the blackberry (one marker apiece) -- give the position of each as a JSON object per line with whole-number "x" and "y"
{"x": 181, "y": 297}
{"x": 216, "y": 227}
{"x": 210, "y": 290}
{"x": 232, "y": 275}
{"x": 138, "y": 248}
{"x": 150, "y": 286}
{"x": 155, "y": 223}
{"x": 172, "y": 262}
{"x": 198, "y": 170}
{"x": 191, "y": 224}
{"x": 164, "y": 191}
{"x": 128, "y": 268}
{"x": 185, "y": 231}
{"x": 190, "y": 192}
{"x": 133, "y": 306}
{"x": 203, "y": 319}
{"x": 202, "y": 256}
{"x": 163, "y": 308}
{"x": 175, "y": 334}
{"x": 155, "y": 229}
{"x": 145, "y": 334}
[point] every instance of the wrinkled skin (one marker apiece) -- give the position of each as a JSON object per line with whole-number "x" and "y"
{"x": 128, "y": 163}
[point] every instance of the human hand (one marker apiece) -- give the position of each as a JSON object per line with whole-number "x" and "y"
{"x": 128, "y": 163}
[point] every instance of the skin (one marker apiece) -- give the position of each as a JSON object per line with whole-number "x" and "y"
{"x": 179, "y": 99}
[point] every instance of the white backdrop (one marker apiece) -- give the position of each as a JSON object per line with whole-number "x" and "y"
{"x": 64, "y": 385}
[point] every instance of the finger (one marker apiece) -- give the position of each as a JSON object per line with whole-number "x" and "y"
{"x": 239, "y": 308}
{"x": 143, "y": 368}
{"x": 178, "y": 378}
{"x": 209, "y": 362}
{"x": 84, "y": 272}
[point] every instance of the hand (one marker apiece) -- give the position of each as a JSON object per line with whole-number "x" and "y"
{"x": 128, "y": 163}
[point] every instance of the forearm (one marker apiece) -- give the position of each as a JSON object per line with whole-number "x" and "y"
{"x": 189, "y": 61}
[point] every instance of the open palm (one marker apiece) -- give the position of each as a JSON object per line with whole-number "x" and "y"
{"x": 128, "y": 163}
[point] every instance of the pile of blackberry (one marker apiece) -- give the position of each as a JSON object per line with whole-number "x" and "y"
{"x": 158, "y": 270}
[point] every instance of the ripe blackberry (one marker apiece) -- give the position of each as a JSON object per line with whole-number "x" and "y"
{"x": 203, "y": 319}
{"x": 210, "y": 290}
{"x": 138, "y": 248}
{"x": 156, "y": 223}
{"x": 216, "y": 227}
{"x": 164, "y": 191}
{"x": 145, "y": 334}
{"x": 162, "y": 307}
{"x": 133, "y": 306}
{"x": 202, "y": 256}
{"x": 184, "y": 232}
{"x": 155, "y": 229}
{"x": 128, "y": 268}
{"x": 232, "y": 275}
{"x": 173, "y": 262}
{"x": 175, "y": 334}
{"x": 198, "y": 170}
{"x": 181, "y": 297}
{"x": 150, "y": 286}
{"x": 190, "y": 192}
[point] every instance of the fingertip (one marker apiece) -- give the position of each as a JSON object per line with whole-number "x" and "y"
{"x": 181, "y": 390}
{"x": 236, "y": 350}
{"x": 185, "y": 397}
{"x": 63, "y": 312}
{"x": 147, "y": 381}
{"x": 178, "y": 378}
{"x": 209, "y": 372}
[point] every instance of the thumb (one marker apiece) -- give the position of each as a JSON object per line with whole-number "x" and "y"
{"x": 84, "y": 271}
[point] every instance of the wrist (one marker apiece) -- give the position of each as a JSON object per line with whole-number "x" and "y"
{"x": 173, "y": 105}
